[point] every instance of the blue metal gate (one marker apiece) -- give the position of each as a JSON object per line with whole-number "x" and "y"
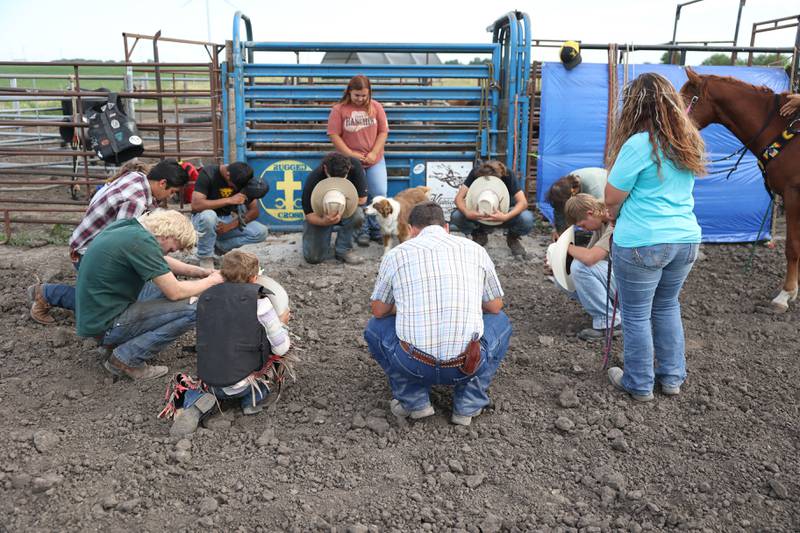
{"x": 436, "y": 113}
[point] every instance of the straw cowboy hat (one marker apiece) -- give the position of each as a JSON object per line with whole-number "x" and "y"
{"x": 333, "y": 195}
{"x": 486, "y": 195}
{"x": 557, "y": 259}
{"x": 277, "y": 294}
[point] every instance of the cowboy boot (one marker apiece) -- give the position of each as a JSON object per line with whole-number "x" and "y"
{"x": 40, "y": 309}
{"x": 517, "y": 250}
{"x": 481, "y": 237}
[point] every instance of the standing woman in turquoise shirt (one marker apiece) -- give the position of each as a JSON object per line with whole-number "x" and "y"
{"x": 655, "y": 154}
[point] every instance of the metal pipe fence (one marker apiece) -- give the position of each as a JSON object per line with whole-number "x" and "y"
{"x": 177, "y": 111}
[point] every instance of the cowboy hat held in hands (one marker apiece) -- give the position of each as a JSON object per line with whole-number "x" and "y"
{"x": 489, "y": 198}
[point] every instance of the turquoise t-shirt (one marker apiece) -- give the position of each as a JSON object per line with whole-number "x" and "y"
{"x": 659, "y": 209}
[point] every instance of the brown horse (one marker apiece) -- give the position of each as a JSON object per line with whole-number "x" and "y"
{"x": 751, "y": 114}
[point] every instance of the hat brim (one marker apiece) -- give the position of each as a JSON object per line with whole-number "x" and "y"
{"x": 278, "y": 298}
{"x": 557, "y": 259}
{"x": 342, "y": 185}
{"x": 572, "y": 63}
{"x": 491, "y": 183}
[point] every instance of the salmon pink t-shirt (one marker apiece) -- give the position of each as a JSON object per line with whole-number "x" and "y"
{"x": 356, "y": 127}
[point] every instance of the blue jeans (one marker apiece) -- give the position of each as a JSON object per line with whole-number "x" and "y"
{"x": 590, "y": 291}
{"x": 377, "y": 185}
{"x": 411, "y": 380}
{"x": 58, "y": 295}
{"x": 649, "y": 280}
{"x": 317, "y": 239}
{"x": 520, "y": 225}
{"x": 205, "y": 223}
{"x": 246, "y": 396}
{"x": 148, "y": 326}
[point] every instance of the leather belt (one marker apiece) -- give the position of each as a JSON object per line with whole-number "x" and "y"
{"x": 422, "y": 357}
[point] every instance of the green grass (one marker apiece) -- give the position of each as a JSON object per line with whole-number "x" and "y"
{"x": 58, "y": 234}
{"x": 62, "y": 83}
{"x": 62, "y": 70}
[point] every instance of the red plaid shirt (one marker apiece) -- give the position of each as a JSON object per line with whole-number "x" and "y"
{"x": 126, "y": 197}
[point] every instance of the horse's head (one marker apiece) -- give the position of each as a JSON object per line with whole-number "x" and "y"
{"x": 697, "y": 100}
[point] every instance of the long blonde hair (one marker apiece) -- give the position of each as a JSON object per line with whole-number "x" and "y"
{"x": 651, "y": 104}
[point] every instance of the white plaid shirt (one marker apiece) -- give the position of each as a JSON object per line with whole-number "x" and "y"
{"x": 438, "y": 283}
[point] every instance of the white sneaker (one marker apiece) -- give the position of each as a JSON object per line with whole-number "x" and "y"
{"x": 670, "y": 390}
{"x": 399, "y": 411}
{"x": 615, "y": 377}
{"x": 462, "y": 420}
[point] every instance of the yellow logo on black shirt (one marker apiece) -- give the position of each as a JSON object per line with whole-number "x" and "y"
{"x": 225, "y": 192}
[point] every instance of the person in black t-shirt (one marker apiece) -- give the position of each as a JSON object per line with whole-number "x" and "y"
{"x": 215, "y": 199}
{"x": 518, "y": 221}
{"x": 317, "y": 228}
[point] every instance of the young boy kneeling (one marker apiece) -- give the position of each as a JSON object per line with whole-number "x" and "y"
{"x": 590, "y": 266}
{"x": 240, "y": 344}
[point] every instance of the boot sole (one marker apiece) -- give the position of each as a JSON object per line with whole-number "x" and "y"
{"x": 205, "y": 403}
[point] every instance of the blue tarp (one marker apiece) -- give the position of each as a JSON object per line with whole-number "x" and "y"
{"x": 572, "y": 135}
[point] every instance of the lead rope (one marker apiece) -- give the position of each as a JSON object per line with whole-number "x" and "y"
{"x": 758, "y": 236}
{"x": 609, "y": 325}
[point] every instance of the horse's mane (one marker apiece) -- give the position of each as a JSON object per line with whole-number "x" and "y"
{"x": 740, "y": 83}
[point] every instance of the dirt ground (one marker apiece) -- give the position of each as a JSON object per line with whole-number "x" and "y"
{"x": 560, "y": 450}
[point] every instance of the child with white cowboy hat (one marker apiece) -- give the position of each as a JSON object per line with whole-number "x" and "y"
{"x": 491, "y": 196}
{"x": 587, "y": 276}
{"x": 331, "y": 195}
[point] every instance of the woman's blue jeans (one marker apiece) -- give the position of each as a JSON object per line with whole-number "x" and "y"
{"x": 377, "y": 185}
{"x": 411, "y": 380}
{"x": 649, "y": 280}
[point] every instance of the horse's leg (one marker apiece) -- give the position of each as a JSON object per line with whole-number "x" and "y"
{"x": 791, "y": 203}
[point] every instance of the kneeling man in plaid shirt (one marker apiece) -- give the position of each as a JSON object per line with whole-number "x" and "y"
{"x": 437, "y": 319}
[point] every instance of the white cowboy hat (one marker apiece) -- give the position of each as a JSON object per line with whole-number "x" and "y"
{"x": 279, "y": 298}
{"x": 334, "y": 195}
{"x": 486, "y": 195}
{"x": 557, "y": 259}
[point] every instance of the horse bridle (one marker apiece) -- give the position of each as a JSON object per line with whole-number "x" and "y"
{"x": 694, "y": 100}
{"x": 741, "y": 151}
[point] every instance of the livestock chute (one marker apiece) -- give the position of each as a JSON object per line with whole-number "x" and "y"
{"x": 442, "y": 117}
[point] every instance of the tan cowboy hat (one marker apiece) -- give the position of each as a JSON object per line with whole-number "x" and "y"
{"x": 334, "y": 195}
{"x": 279, "y": 298}
{"x": 557, "y": 259}
{"x": 486, "y": 195}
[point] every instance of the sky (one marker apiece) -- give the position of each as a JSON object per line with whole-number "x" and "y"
{"x": 45, "y": 30}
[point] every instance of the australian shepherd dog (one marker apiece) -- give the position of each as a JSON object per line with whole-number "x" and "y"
{"x": 392, "y": 213}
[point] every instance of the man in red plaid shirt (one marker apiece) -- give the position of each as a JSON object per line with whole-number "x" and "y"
{"x": 134, "y": 192}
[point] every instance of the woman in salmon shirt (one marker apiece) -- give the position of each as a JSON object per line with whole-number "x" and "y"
{"x": 358, "y": 128}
